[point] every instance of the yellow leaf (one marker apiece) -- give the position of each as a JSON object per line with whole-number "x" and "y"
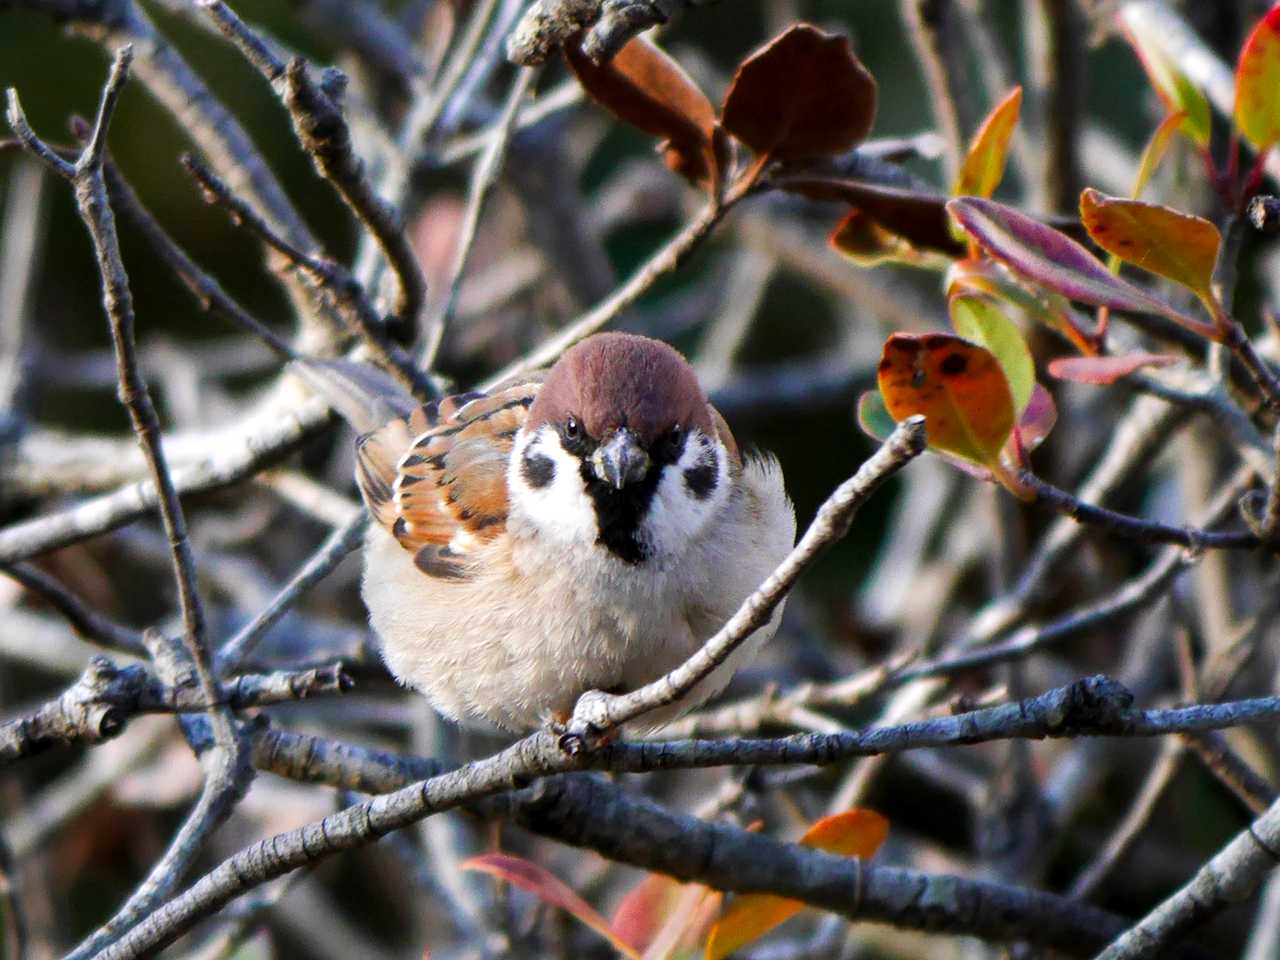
{"x": 1175, "y": 245}
{"x": 983, "y": 166}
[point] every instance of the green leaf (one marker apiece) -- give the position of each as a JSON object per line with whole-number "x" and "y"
{"x": 1175, "y": 90}
{"x": 979, "y": 320}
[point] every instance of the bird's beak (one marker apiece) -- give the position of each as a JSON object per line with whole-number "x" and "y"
{"x": 620, "y": 461}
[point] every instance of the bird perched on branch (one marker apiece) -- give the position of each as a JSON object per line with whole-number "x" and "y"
{"x": 586, "y": 528}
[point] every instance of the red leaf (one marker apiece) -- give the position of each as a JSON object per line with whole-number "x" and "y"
{"x": 802, "y": 95}
{"x": 1105, "y": 370}
{"x": 640, "y": 914}
{"x": 1257, "y": 107}
{"x": 644, "y": 87}
{"x": 549, "y": 889}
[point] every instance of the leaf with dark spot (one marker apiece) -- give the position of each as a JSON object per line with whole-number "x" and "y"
{"x": 958, "y": 386}
{"x": 1167, "y": 242}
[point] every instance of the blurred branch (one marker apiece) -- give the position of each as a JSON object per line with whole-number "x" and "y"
{"x": 228, "y": 458}
{"x": 327, "y": 276}
{"x": 1231, "y": 876}
{"x": 22, "y": 229}
{"x": 935, "y": 39}
{"x": 1056, "y": 51}
{"x": 338, "y": 545}
{"x": 86, "y": 622}
{"x": 484, "y": 175}
{"x": 663, "y": 261}
{"x": 322, "y": 130}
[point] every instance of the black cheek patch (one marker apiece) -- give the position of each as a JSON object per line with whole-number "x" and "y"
{"x": 538, "y": 470}
{"x": 701, "y": 480}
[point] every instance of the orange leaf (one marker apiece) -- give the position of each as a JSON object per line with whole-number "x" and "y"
{"x": 957, "y": 385}
{"x": 802, "y": 95}
{"x": 549, "y": 889}
{"x": 644, "y": 87}
{"x": 1257, "y": 108}
{"x": 1174, "y": 245}
{"x": 983, "y": 167}
{"x": 855, "y": 833}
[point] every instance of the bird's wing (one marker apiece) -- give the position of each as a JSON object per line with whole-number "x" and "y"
{"x": 437, "y": 480}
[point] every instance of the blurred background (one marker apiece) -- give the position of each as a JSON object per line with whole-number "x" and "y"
{"x": 785, "y": 334}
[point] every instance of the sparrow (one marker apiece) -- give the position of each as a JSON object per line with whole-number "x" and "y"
{"x": 584, "y": 528}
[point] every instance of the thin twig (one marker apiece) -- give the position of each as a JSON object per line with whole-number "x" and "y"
{"x": 323, "y": 132}
{"x": 666, "y": 259}
{"x": 86, "y": 176}
{"x": 337, "y": 545}
{"x": 484, "y": 175}
{"x": 207, "y": 291}
{"x": 597, "y": 712}
{"x": 328, "y": 277}
{"x": 86, "y": 622}
{"x": 1135, "y": 528}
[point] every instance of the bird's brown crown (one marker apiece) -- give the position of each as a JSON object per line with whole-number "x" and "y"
{"x": 613, "y": 380}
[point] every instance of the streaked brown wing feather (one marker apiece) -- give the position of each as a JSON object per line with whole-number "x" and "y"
{"x": 438, "y": 481}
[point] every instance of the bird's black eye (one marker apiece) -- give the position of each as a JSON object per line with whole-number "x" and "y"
{"x": 571, "y": 429}
{"x": 672, "y": 444}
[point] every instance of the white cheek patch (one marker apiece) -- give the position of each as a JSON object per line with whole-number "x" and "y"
{"x": 681, "y": 507}
{"x": 546, "y": 487}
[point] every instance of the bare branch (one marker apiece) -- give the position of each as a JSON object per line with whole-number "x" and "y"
{"x": 99, "y": 705}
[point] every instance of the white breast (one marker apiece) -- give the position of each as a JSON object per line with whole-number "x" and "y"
{"x": 548, "y": 616}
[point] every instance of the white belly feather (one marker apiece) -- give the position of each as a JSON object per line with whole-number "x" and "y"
{"x": 535, "y": 627}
